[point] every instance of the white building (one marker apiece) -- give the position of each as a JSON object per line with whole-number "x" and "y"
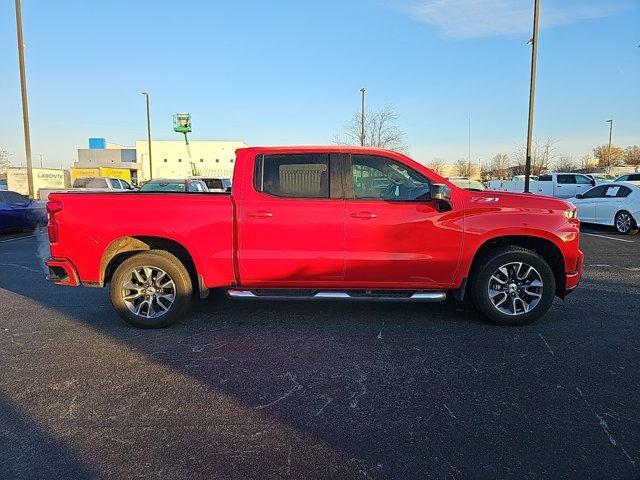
{"x": 175, "y": 159}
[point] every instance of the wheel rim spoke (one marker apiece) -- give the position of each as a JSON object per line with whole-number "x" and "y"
{"x": 515, "y": 288}
{"x": 149, "y": 292}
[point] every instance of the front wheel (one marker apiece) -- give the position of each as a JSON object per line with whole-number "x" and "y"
{"x": 624, "y": 222}
{"x": 151, "y": 289}
{"x": 513, "y": 286}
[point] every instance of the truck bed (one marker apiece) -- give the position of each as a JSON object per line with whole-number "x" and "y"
{"x": 92, "y": 223}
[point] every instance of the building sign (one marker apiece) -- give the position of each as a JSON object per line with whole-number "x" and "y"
{"x": 42, "y": 178}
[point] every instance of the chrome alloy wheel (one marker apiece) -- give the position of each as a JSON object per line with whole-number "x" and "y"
{"x": 515, "y": 288}
{"x": 623, "y": 222}
{"x": 149, "y": 292}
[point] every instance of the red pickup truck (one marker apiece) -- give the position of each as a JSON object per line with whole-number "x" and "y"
{"x": 318, "y": 223}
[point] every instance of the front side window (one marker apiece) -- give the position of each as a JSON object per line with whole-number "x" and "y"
{"x": 595, "y": 192}
{"x": 115, "y": 184}
{"x": 583, "y": 180}
{"x": 633, "y": 177}
{"x": 381, "y": 178}
{"x": 566, "y": 179}
{"x": 293, "y": 176}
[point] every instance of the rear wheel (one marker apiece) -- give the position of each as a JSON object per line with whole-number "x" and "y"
{"x": 151, "y": 289}
{"x": 624, "y": 222}
{"x": 513, "y": 286}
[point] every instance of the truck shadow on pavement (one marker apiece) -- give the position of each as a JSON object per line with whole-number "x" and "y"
{"x": 349, "y": 390}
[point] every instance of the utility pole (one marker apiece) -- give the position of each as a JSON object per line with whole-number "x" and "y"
{"x": 362, "y": 117}
{"x": 610, "y": 122}
{"x": 532, "y": 93}
{"x": 25, "y": 103}
{"x": 146, "y": 95}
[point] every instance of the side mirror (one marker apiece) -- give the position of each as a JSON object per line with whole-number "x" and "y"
{"x": 579, "y": 196}
{"x": 441, "y": 194}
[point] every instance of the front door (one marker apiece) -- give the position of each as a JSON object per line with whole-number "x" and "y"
{"x": 396, "y": 237}
{"x": 609, "y": 204}
{"x": 291, "y": 223}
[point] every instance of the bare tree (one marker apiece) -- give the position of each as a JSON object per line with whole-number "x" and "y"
{"x": 541, "y": 156}
{"x": 380, "y": 130}
{"x": 462, "y": 168}
{"x": 606, "y": 161}
{"x": 565, "y": 164}
{"x": 586, "y": 165}
{"x": 4, "y": 159}
{"x": 437, "y": 166}
{"x": 632, "y": 156}
{"x": 498, "y": 166}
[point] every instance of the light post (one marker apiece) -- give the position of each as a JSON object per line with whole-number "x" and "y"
{"x": 41, "y": 156}
{"x": 25, "y": 103}
{"x": 362, "y": 90}
{"x": 469, "y": 157}
{"x": 532, "y": 93}
{"x": 610, "y": 122}
{"x": 146, "y": 95}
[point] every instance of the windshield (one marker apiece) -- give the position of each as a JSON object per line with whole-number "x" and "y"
{"x": 164, "y": 186}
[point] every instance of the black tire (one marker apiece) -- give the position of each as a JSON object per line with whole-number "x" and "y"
{"x": 625, "y": 227}
{"x": 180, "y": 287}
{"x": 481, "y": 282}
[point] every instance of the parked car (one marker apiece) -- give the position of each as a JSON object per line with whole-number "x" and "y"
{"x": 215, "y": 184}
{"x": 302, "y": 222}
{"x": 467, "y": 183}
{"x": 616, "y": 204}
{"x": 193, "y": 185}
{"x": 90, "y": 184}
{"x": 629, "y": 177}
{"x": 561, "y": 185}
{"x": 18, "y": 212}
{"x": 3, "y": 184}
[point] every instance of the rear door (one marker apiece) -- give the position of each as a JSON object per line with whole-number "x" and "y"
{"x": 396, "y": 237}
{"x": 291, "y": 222}
{"x": 609, "y": 204}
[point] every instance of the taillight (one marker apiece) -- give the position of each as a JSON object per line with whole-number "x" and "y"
{"x": 53, "y": 207}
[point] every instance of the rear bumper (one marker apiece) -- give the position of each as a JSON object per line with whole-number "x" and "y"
{"x": 573, "y": 278}
{"x": 62, "y": 272}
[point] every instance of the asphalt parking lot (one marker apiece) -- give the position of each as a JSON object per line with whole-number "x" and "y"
{"x": 321, "y": 390}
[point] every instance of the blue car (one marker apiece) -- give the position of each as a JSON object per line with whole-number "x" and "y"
{"x": 17, "y": 212}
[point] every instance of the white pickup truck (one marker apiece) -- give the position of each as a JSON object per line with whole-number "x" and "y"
{"x": 561, "y": 185}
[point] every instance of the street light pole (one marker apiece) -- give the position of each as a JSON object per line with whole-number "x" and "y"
{"x": 146, "y": 95}
{"x": 532, "y": 93}
{"x": 25, "y": 103}
{"x": 610, "y": 122}
{"x": 362, "y": 90}
{"x": 40, "y": 155}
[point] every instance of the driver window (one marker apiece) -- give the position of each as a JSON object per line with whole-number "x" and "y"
{"x": 380, "y": 178}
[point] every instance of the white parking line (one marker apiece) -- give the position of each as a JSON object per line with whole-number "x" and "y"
{"x": 21, "y": 238}
{"x": 609, "y": 238}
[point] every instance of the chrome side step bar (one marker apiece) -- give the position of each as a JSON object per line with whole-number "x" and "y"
{"x": 331, "y": 295}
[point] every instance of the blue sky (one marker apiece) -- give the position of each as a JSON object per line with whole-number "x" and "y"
{"x": 289, "y": 72}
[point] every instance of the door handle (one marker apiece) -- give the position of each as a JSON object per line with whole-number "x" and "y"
{"x": 260, "y": 214}
{"x": 363, "y": 215}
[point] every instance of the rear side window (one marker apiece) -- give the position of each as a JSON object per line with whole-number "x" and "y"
{"x": 96, "y": 183}
{"x": 566, "y": 179}
{"x": 544, "y": 178}
{"x": 293, "y": 176}
{"x": 624, "y": 192}
{"x": 80, "y": 182}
